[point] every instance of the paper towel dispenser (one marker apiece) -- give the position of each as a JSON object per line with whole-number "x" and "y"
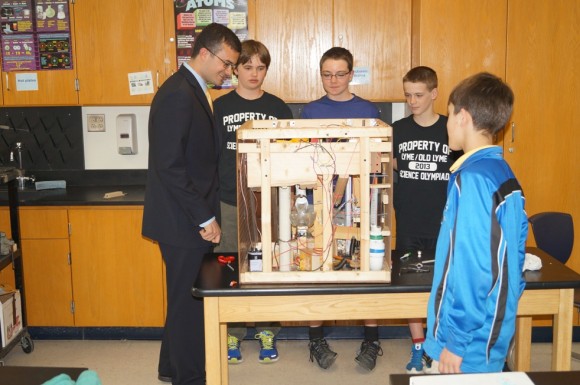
{"x": 127, "y": 134}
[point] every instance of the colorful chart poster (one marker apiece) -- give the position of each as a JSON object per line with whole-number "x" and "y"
{"x": 35, "y": 35}
{"x": 192, "y": 15}
{"x": 19, "y": 53}
{"x": 54, "y": 51}
{"x": 52, "y": 16}
{"x": 16, "y": 16}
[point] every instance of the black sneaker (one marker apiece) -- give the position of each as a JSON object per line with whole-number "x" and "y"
{"x": 367, "y": 355}
{"x": 320, "y": 350}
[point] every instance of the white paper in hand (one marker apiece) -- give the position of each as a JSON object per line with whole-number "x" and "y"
{"x": 503, "y": 378}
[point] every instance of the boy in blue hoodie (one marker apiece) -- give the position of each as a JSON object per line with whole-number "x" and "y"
{"x": 480, "y": 250}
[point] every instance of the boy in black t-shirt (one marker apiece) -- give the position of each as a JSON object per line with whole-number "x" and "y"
{"x": 247, "y": 102}
{"x": 422, "y": 159}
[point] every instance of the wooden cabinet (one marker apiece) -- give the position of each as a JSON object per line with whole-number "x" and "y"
{"x": 117, "y": 38}
{"x": 117, "y": 275}
{"x": 541, "y": 140}
{"x": 458, "y": 39}
{"x": 55, "y": 87}
{"x": 296, "y": 35}
{"x": 47, "y": 266}
{"x": 528, "y": 43}
{"x": 5, "y": 221}
{"x": 377, "y": 32}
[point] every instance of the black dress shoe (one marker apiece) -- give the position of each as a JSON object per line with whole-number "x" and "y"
{"x": 164, "y": 378}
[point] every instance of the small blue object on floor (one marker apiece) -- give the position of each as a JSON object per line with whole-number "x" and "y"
{"x": 88, "y": 377}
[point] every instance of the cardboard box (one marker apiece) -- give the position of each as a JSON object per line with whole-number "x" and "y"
{"x": 10, "y": 316}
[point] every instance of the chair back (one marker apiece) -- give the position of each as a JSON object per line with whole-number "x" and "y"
{"x": 554, "y": 233}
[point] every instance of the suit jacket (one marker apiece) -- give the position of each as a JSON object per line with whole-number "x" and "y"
{"x": 182, "y": 180}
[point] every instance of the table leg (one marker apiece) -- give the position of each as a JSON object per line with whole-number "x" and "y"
{"x": 223, "y": 341}
{"x": 562, "y": 331}
{"x": 213, "y": 350}
{"x": 523, "y": 343}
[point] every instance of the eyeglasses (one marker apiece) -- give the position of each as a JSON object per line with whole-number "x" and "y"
{"x": 338, "y": 75}
{"x": 227, "y": 63}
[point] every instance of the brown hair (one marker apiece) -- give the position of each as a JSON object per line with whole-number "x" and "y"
{"x": 338, "y": 53}
{"x": 251, "y": 48}
{"x": 487, "y": 98}
{"x": 422, "y": 74}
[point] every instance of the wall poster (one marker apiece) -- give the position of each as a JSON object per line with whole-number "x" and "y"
{"x": 192, "y": 15}
{"x": 35, "y": 35}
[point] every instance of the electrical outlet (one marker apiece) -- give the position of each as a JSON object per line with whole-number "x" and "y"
{"x": 96, "y": 123}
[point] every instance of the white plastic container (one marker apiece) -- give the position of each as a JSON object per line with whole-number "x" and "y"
{"x": 377, "y": 249}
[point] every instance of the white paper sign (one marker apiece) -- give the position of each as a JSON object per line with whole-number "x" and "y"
{"x": 27, "y": 81}
{"x": 362, "y": 75}
{"x": 140, "y": 83}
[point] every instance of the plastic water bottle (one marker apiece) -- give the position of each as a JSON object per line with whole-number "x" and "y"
{"x": 377, "y": 249}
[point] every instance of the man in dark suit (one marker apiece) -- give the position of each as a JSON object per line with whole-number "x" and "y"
{"x": 182, "y": 197}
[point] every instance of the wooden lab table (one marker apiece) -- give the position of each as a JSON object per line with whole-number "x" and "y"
{"x": 549, "y": 291}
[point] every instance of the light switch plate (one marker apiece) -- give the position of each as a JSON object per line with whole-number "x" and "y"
{"x": 96, "y": 123}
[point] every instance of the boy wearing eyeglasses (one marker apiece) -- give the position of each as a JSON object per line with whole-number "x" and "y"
{"x": 247, "y": 102}
{"x": 336, "y": 72}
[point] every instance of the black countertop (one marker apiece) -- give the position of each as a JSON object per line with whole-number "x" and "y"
{"x": 214, "y": 280}
{"x": 78, "y": 196}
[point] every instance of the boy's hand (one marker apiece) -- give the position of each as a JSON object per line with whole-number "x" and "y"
{"x": 449, "y": 363}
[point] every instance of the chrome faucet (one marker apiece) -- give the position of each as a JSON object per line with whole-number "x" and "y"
{"x": 21, "y": 178}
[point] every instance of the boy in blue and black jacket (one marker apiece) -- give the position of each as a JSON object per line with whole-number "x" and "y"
{"x": 480, "y": 250}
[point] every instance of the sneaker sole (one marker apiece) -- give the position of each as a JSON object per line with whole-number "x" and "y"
{"x": 414, "y": 371}
{"x": 328, "y": 365}
{"x": 268, "y": 360}
{"x": 362, "y": 364}
{"x": 235, "y": 361}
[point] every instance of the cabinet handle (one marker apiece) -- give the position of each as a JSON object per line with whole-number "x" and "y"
{"x": 7, "y": 83}
{"x": 513, "y": 131}
{"x": 157, "y": 79}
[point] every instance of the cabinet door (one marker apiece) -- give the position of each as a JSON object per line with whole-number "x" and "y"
{"x": 55, "y": 88}
{"x": 458, "y": 39}
{"x": 296, "y": 34}
{"x": 378, "y": 33}
{"x": 46, "y": 265}
{"x": 542, "y": 68}
{"x": 115, "y": 39}
{"x": 43, "y": 223}
{"x": 5, "y": 221}
{"x": 117, "y": 274}
{"x": 47, "y": 278}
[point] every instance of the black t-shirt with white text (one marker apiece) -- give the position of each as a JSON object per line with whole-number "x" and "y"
{"x": 231, "y": 111}
{"x": 423, "y": 161}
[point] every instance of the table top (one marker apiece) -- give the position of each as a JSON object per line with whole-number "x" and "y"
{"x": 215, "y": 280}
{"x": 538, "y": 378}
{"x": 34, "y": 375}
